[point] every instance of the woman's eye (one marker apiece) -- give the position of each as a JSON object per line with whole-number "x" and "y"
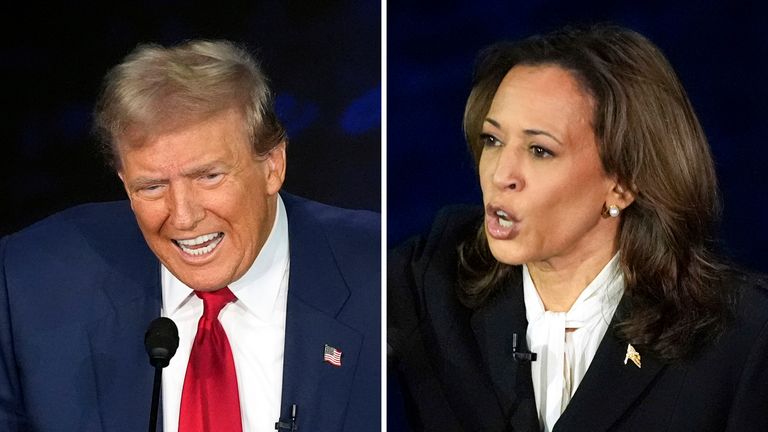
{"x": 540, "y": 152}
{"x": 489, "y": 140}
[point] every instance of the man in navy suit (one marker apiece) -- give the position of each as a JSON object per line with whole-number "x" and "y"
{"x": 192, "y": 134}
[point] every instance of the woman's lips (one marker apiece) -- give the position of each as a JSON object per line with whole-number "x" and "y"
{"x": 499, "y": 224}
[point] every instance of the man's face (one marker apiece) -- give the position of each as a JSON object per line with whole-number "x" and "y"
{"x": 203, "y": 201}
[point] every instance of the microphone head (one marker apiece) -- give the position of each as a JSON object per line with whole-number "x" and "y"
{"x": 161, "y": 341}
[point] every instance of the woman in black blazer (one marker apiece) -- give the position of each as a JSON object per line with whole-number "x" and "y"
{"x": 584, "y": 295}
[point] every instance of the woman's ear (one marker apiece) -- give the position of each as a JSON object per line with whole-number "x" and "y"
{"x": 622, "y": 196}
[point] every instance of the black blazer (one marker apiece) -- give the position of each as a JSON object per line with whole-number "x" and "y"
{"x": 456, "y": 370}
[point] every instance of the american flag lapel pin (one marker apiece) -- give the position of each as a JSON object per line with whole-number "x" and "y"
{"x": 332, "y": 356}
{"x": 633, "y": 355}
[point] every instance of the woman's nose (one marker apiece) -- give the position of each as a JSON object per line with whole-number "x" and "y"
{"x": 507, "y": 173}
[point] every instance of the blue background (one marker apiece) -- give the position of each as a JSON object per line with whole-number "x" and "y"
{"x": 323, "y": 59}
{"x": 719, "y": 49}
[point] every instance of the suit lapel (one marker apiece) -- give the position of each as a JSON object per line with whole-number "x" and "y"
{"x": 121, "y": 367}
{"x": 494, "y": 326}
{"x": 608, "y": 379}
{"x": 129, "y": 299}
{"x": 317, "y": 293}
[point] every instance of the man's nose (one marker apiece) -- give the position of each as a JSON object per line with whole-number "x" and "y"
{"x": 185, "y": 210}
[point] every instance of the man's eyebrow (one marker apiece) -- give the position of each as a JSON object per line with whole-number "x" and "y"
{"x": 204, "y": 169}
{"x": 140, "y": 182}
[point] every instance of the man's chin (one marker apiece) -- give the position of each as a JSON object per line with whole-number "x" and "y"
{"x": 203, "y": 282}
{"x": 208, "y": 288}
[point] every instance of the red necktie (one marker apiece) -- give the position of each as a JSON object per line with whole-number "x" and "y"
{"x": 210, "y": 400}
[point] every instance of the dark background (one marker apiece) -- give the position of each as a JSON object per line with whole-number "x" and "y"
{"x": 323, "y": 59}
{"x": 718, "y": 48}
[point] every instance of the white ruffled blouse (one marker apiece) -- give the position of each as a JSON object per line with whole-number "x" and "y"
{"x": 563, "y": 357}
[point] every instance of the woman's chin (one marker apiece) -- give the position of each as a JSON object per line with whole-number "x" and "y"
{"x": 506, "y": 253}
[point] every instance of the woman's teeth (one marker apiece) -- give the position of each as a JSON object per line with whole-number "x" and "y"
{"x": 504, "y": 219}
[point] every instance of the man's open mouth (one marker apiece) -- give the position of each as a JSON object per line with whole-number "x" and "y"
{"x": 200, "y": 245}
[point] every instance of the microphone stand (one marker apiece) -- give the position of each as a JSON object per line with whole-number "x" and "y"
{"x": 155, "y": 398}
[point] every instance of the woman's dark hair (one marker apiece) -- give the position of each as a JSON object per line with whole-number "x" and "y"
{"x": 648, "y": 138}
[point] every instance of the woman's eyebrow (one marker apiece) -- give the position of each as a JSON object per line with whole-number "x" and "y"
{"x": 528, "y": 132}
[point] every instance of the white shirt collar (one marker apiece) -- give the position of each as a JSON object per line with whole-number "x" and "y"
{"x": 257, "y": 290}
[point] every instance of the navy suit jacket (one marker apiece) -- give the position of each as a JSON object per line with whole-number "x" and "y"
{"x": 78, "y": 290}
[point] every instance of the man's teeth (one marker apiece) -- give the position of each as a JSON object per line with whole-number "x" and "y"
{"x": 504, "y": 219}
{"x": 186, "y": 245}
{"x": 198, "y": 240}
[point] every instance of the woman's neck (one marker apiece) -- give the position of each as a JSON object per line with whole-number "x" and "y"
{"x": 559, "y": 282}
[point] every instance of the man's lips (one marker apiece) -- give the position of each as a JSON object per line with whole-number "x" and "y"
{"x": 200, "y": 245}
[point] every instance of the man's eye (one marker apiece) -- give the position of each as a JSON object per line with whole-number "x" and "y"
{"x": 150, "y": 191}
{"x": 489, "y": 140}
{"x": 211, "y": 178}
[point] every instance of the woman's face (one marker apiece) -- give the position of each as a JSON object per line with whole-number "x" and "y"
{"x": 543, "y": 184}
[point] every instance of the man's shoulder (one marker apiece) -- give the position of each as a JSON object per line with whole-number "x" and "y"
{"x": 328, "y": 213}
{"x": 338, "y": 224}
{"x": 104, "y": 229}
{"x": 351, "y": 237}
{"x": 82, "y": 218}
{"x": 76, "y": 251}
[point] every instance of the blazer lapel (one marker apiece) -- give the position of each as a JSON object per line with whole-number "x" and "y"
{"x": 608, "y": 379}
{"x": 317, "y": 293}
{"x": 495, "y": 325}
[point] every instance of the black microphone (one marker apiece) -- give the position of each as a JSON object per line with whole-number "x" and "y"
{"x": 281, "y": 425}
{"x": 521, "y": 355}
{"x": 161, "y": 341}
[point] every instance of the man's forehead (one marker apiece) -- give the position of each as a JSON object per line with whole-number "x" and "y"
{"x": 139, "y": 132}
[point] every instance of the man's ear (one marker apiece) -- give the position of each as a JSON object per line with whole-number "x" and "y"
{"x": 125, "y": 186}
{"x": 122, "y": 180}
{"x": 275, "y": 160}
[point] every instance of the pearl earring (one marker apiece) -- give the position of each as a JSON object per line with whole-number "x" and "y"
{"x": 613, "y": 211}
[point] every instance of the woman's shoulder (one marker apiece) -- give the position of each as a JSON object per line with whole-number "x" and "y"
{"x": 422, "y": 272}
{"x": 750, "y": 299}
{"x": 452, "y": 225}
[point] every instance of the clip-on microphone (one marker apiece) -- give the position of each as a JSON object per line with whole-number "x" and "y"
{"x": 288, "y": 426}
{"x": 521, "y": 355}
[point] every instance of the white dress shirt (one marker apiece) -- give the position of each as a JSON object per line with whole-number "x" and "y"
{"x": 563, "y": 357}
{"x": 255, "y": 327}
